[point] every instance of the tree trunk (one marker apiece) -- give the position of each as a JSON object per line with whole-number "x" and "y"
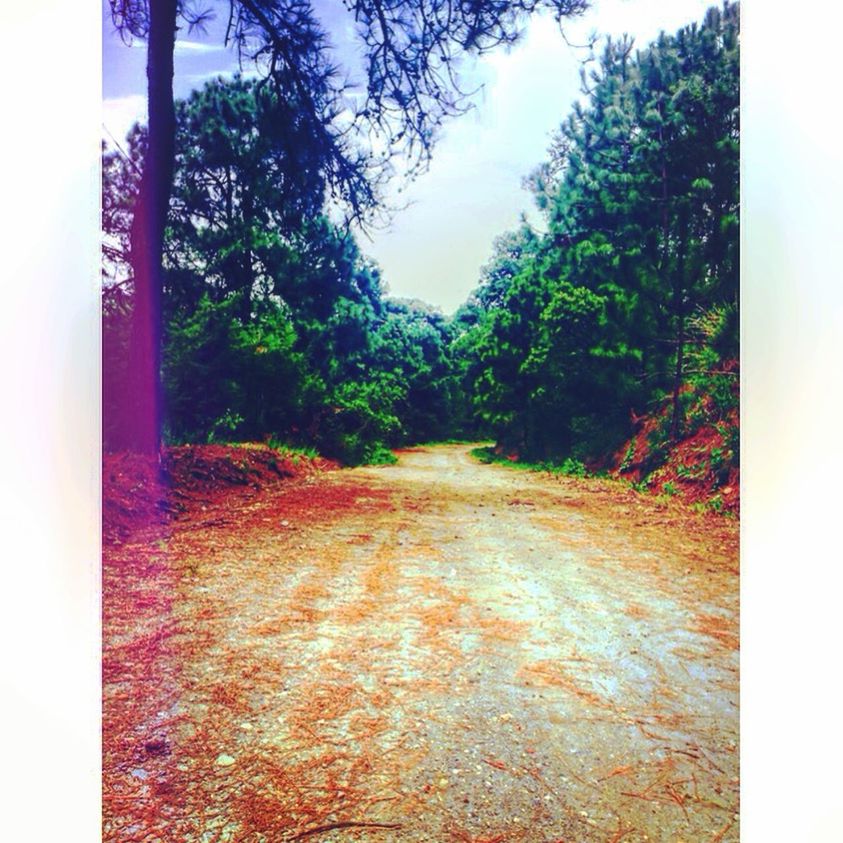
{"x": 140, "y": 425}
{"x": 677, "y": 420}
{"x": 248, "y": 269}
{"x": 679, "y": 290}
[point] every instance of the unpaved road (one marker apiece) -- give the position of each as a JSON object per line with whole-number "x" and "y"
{"x": 442, "y": 650}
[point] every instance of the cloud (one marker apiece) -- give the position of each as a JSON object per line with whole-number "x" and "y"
{"x": 182, "y": 46}
{"x": 473, "y": 191}
{"x": 197, "y": 47}
{"x": 119, "y": 114}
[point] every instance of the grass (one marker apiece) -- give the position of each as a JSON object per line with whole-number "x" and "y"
{"x": 295, "y": 455}
{"x": 713, "y": 504}
{"x": 691, "y": 472}
{"x": 569, "y": 467}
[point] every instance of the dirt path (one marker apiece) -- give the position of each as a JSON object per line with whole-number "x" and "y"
{"x": 441, "y": 650}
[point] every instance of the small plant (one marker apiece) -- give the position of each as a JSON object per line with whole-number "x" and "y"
{"x": 379, "y": 455}
{"x": 627, "y": 457}
{"x": 570, "y": 466}
{"x": 720, "y": 462}
{"x": 723, "y": 396}
{"x": 228, "y": 422}
{"x": 732, "y": 439}
{"x": 690, "y": 472}
{"x": 484, "y": 454}
{"x": 573, "y": 468}
{"x": 716, "y": 503}
{"x": 658, "y": 444}
{"x": 669, "y": 489}
{"x": 295, "y": 455}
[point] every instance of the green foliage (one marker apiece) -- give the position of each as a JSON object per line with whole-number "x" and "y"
{"x": 222, "y": 376}
{"x": 628, "y": 455}
{"x": 228, "y": 422}
{"x": 485, "y": 454}
{"x": 571, "y": 467}
{"x": 716, "y": 503}
{"x": 691, "y": 472}
{"x": 640, "y": 486}
{"x": 629, "y": 301}
{"x": 568, "y": 467}
{"x": 296, "y": 454}
{"x": 379, "y": 455}
{"x": 276, "y": 325}
{"x": 658, "y": 444}
{"x": 732, "y": 440}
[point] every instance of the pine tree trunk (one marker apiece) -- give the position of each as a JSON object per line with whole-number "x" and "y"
{"x": 679, "y": 307}
{"x": 677, "y": 420}
{"x": 248, "y": 270}
{"x": 141, "y": 410}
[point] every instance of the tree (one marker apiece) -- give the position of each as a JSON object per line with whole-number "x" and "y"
{"x": 646, "y": 208}
{"x": 411, "y": 52}
{"x": 634, "y": 285}
{"x": 246, "y": 181}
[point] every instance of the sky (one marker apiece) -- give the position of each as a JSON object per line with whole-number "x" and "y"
{"x": 436, "y": 245}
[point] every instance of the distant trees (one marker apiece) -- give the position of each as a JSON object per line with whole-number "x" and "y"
{"x": 634, "y": 287}
{"x": 411, "y": 50}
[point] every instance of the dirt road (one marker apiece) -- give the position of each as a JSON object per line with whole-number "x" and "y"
{"x": 433, "y": 651}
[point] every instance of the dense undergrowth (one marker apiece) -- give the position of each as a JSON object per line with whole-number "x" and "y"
{"x": 703, "y": 465}
{"x": 495, "y": 454}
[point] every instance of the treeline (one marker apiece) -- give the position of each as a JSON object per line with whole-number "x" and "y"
{"x": 274, "y": 323}
{"x": 627, "y": 302}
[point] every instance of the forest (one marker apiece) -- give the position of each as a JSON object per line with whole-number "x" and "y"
{"x": 618, "y": 314}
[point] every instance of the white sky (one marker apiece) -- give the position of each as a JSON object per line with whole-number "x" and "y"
{"x": 434, "y": 248}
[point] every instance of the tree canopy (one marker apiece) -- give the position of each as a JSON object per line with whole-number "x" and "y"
{"x": 274, "y": 323}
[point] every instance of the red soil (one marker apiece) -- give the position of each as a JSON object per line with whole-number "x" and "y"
{"x": 139, "y": 492}
{"x": 688, "y": 468}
